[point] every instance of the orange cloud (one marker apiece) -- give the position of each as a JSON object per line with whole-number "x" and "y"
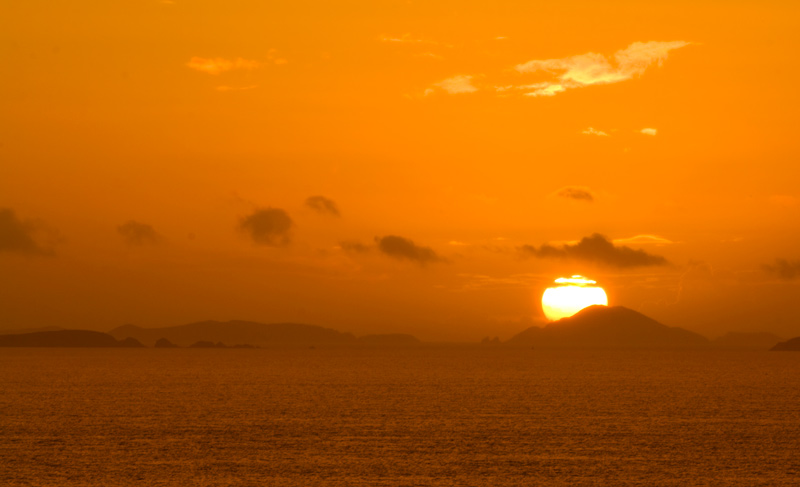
{"x": 219, "y": 65}
{"x": 592, "y": 68}
{"x": 578, "y": 71}
{"x": 457, "y": 84}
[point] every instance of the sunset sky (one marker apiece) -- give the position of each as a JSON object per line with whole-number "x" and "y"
{"x": 398, "y": 166}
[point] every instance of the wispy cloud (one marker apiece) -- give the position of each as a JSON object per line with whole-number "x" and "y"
{"x": 592, "y": 131}
{"x": 593, "y": 68}
{"x": 323, "y": 205}
{"x": 219, "y": 65}
{"x": 597, "y": 249}
{"x": 405, "y": 38}
{"x": 576, "y": 193}
{"x": 457, "y": 84}
{"x": 404, "y": 249}
{"x": 649, "y": 131}
{"x": 353, "y": 247}
{"x": 643, "y": 240}
{"x": 583, "y": 70}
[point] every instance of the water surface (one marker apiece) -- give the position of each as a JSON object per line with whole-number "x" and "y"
{"x": 432, "y": 416}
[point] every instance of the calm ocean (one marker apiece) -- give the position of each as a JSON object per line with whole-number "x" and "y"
{"x": 432, "y": 416}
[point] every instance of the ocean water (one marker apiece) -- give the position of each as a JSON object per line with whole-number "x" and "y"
{"x": 432, "y": 416}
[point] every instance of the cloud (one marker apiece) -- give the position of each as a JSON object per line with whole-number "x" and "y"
{"x": 322, "y": 205}
{"x": 576, "y": 71}
{"x": 591, "y": 131}
{"x": 576, "y": 193}
{"x": 594, "y": 69}
{"x": 219, "y": 65}
{"x": 138, "y": 234}
{"x": 643, "y": 240}
{"x": 404, "y": 249}
{"x": 543, "y": 89}
{"x": 597, "y": 249}
{"x": 268, "y": 226}
{"x": 648, "y": 131}
{"x": 784, "y": 269}
{"x": 457, "y": 84}
{"x": 17, "y": 236}
{"x": 406, "y": 38}
{"x": 354, "y": 247}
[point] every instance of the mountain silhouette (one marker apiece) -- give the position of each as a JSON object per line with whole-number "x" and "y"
{"x": 746, "y": 341}
{"x": 242, "y": 332}
{"x": 792, "y": 345}
{"x": 67, "y": 338}
{"x": 20, "y": 331}
{"x": 164, "y": 343}
{"x": 607, "y": 327}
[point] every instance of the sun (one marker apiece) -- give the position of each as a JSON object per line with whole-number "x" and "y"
{"x": 570, "y": 295}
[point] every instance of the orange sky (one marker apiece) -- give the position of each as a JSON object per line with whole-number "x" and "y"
{"x": 156, "y": 160}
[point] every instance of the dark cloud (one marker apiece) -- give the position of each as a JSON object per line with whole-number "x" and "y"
{"x": 18, "y": 236}
{"x": 138, "y": 234}
{"x": 404, "y": 249}
{"x": 323, "y": 205}
{"x": 269, "y": 226}
{"x": 597, "y": 249}
{"x": 576, "y": 193}
{"x": 354, "y": 247}
{"x": 784, "y": 269}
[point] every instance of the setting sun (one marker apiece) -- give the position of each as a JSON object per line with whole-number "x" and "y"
{"x": 570, "y": 295}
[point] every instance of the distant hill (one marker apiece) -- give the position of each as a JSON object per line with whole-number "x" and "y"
{"x": 608, "y": 327}
{"x": 29, "y": 330}
{"x": 390, "y": 340}
{"x": 792, "y": 345}
{"x": 238, "y": 332}
{"x": 66, "y": 338}
{"x": 746, "y": 341}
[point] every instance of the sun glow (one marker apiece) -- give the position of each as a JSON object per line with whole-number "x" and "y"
{"x": 570, "y": 295}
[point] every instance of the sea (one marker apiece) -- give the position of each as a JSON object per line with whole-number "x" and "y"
{"x": 430, "y": 416}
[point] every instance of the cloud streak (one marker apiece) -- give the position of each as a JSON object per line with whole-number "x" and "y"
{"x": 457, "y": 84}
{"x": 559, "y": 75}
{"x": 596, "y": 69}
{"x": 323, "y": 205}
{"x": 352, "y": 247}
{"x": 596, "y": 249}
{"x": 215, "y": 66}
{"x": 576, "y": 193}
{"x": 268, "y": 226}
{"x": 404, "y": 249}
{"x": 592, "y": 131}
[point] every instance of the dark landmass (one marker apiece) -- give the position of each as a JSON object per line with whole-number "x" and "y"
{"x": 245, "y": 332}
{"x": 390, "y": 340}
{"x": 746, "y": 341}
{"x": 67, "y": 338}
{"x": 608, "y": 327}
{"x": 30, "y": 330}
{"x": 164, "y": 343}
{"x": 791, "y": 345}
